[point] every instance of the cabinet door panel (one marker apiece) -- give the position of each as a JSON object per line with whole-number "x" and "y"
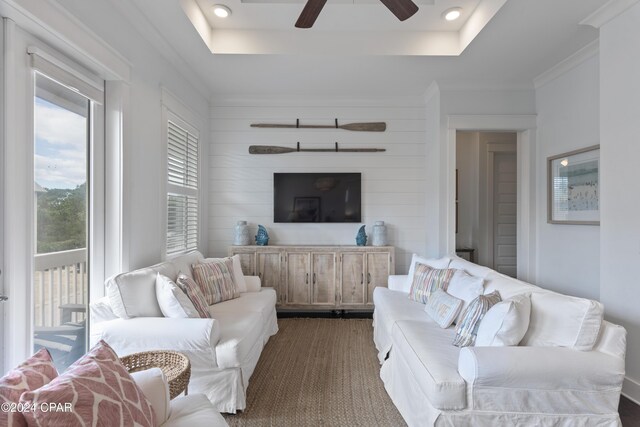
{"x": 324, "y": 278}
{"x": 248, "y": 263}
{"x": 269, "y": 271}
{"x": 352, "y": 278}
{"x": 298, "y": 280}
{"x": 377, "y": 272}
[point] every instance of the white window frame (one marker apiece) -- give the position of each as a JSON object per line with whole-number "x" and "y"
{"x": 175, "y": 111}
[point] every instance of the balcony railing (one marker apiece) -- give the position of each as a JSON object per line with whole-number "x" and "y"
{"x": 60, "y": 287}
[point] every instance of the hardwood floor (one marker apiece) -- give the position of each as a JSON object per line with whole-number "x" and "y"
{"x": 629, "y": 413}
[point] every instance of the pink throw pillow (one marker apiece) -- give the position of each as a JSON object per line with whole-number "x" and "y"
{"x": 31, "y": 374}
{"x": 96, "y": 390}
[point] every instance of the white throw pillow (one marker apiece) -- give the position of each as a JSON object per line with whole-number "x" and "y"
{"x": 155, "y": 387}
{"x": 238, "y": 275}
{"x": 505, "y": 323}
{"x": 443, "y": 308}
{"x": 465, "y": 287}
{"x": 437, "y": 263}
{"x": 563, "y": 321}
{"x": 172, "y": 300}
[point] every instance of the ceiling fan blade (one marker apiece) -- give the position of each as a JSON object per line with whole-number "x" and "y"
{"x": 310, "y": 13}
{"x": 403, "y": 9}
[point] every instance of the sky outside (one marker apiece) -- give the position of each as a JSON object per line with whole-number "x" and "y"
{"x": 60, "y": 146}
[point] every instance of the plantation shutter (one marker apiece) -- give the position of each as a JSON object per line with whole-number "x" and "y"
{"x": 182, "y": 189}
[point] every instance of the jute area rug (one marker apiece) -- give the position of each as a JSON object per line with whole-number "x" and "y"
{"x": 318, "y": 372}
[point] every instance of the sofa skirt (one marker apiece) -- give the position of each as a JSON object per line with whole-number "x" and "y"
{"x": 417, "y": 411}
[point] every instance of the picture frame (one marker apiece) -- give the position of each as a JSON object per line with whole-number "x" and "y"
{"x": 573, "y": 187}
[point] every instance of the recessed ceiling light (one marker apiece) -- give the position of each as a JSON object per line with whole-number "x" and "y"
{"x": 452, "y": 14}
{"x": 221, "y": 10}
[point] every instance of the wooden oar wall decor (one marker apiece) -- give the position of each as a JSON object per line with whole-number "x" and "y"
{"x": 358, "y": 127}
{"x": 273, "y": 149}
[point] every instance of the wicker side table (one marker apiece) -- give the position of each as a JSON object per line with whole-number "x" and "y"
{"x": 175, "y": 366}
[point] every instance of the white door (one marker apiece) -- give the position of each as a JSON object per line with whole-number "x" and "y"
{"x": 505, "y": 213}
{"x": 54, "y": 184}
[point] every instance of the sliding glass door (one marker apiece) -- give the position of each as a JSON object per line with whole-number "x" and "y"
{"x": 60, "y": 288}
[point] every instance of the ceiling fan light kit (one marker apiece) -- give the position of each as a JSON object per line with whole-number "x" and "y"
{"x": 402, "y": 9}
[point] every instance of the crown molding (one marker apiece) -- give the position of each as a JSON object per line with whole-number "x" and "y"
{"x": 567, "y": 64}
{"x": 306, "y": 101}
{"x": 607, "y": 12}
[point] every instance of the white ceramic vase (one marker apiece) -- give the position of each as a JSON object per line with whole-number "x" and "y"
{"x": 379, "y": 237}
{"x": 242, "y": 237}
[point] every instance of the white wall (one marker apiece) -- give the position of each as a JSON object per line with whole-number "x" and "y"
{"x": 394, "y": 183}
{"x": 568, "y": 256}
{"x": 467, "y": 164}
{"x": 145, "y": 153}
{"x": 620, "y": 189}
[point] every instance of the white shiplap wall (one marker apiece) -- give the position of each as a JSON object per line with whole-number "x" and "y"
{"x": 241, "y": 185}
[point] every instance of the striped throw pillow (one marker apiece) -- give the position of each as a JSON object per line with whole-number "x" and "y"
{"x": 467, "y": 328}
{"x": 216, "y": 280}
{"x": 427, "y": 280}
{"x": 192, "y": 290}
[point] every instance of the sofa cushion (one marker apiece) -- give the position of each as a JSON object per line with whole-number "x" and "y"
{"x": 507, "y": 286}
{"x": 467, "y": 328}
{"x": 391, "y": 306}
{"x": 426, "y": 280}
{"x": 155, "y": 387}
{"x": 465, "y": 287}
{"x": 563, "y": 321}
{"x": 182, "y": 263}
{"x": 438, "y": 263}
{"x": 133, "y": 294}
{"x": 191, "y": 288}
{"x": 194, "y": 410}
{"x": 241, "y": 334}
{"x": 261, "y": 302}
{"x": 172, "y": 300}
{"x": 443, "y": 308}
{"x": 216, "y": 280}
{"x": 33, "y": 373}
{"x": 98, "y": 388}
{"x": 505, "y": 323}
{"x": 471, "y": 268}
{"x": 238, "y": 275}
{"x": 433, "y": 361}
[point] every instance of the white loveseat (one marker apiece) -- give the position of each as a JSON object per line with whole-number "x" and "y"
{"x": 223, "y": 350}
{"x": 567, "y": 371}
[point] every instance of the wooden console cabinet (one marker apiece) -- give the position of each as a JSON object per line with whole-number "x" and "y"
{"x": 319, "y": 277}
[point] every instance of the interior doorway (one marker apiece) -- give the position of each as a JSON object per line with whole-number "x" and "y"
{"x": 487, "y": 199}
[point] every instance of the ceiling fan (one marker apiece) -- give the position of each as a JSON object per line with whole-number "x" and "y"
{"x": 402, "y": 9}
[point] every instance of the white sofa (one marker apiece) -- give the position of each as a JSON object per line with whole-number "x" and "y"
{"x": 193, "y": 410}
{"x": 567, "y": 371}
{"x": 223, "y": 350}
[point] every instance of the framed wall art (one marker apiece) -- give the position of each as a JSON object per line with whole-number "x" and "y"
{"x": 574, "y": 187}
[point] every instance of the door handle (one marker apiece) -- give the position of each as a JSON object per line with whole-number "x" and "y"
{"x": 368, "y": 277}
{"x": 306, "y": 281}
{"x": 4, "y": 298}
{"x": 314, "y": 278}
{"x": 362, "y": 278}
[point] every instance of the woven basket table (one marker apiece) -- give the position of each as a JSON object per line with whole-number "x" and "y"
{"x": 175, "y": 366}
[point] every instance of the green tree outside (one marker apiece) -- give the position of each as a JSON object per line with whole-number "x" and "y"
{"x": 62, "y": 219}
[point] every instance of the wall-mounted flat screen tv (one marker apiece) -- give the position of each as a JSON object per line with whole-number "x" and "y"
{"x": 316, "y": 197}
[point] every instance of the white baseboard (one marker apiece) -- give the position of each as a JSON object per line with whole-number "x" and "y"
{"x": 631, "y": 390}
